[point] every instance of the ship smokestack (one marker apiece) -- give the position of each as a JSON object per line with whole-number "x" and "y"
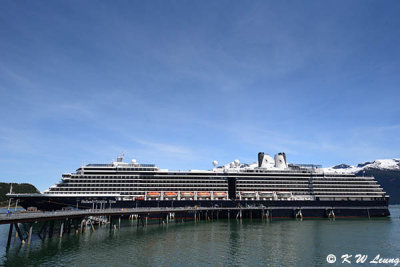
{"x": 280, "y": 161}
{"x": 264, "y": 160}
{"x": 260, "y": 158}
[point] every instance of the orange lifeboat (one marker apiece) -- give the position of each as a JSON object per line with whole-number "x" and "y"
{"x": 187, "y": 194}
{"x": 170, "y": 194}
{"x": 219, "y": 194}
{"x": 153, "y": 194}
{"x": 203, "y": 194}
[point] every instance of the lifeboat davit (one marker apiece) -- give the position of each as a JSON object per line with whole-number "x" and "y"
{"x": 170, "y": 194}
{"x": 187, "y": 194}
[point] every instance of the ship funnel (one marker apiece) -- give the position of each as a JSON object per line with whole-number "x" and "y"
{"x": 280, "y": 161}
{"x": 260, "y": 158}
{"x": 263, "y": 160}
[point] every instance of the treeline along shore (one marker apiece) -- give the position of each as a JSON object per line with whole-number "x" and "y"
{"x": 16, "y": 188}
{"x": 389, "y": 180}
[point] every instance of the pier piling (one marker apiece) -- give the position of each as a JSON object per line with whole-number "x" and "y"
{"x": 69, "y": 226}
{"x": 43, "y": 230}
{"x": 82, "y": 222}
{"x": 19, "y": 233}
{"x": 30, "y": 233}
{"x": 61, "y": 229}
{"x": 51, "y": 229}
{"x": 10, "y": 235}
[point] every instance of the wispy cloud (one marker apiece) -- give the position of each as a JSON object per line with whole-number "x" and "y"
{"x": 16, "y": 77}
{"x": 168, "y": 149}
{"x": 17, "y": 141}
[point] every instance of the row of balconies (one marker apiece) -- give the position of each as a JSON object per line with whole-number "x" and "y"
{"x": 122, "y": 189}
{"x": 185, "y": 179}
{"x": 214, "y": 175}
{"x": 174, "y": 185}
{"x": 265, "y": 183}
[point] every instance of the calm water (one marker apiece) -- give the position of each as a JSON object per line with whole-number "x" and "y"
{"x": 218, "y": 243}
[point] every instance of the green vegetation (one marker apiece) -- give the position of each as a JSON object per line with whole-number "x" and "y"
{"x": 17, "y": 188}
{"x": 389, "y": 180}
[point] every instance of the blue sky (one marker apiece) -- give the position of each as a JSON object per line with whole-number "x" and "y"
{"x": 183, "y": 83}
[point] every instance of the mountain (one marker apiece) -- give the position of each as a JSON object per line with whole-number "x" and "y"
{"x": 385, "y": 171}
{"x": 379, "y": 164}
{"x": 388, "y": 179}
{"x": 17, "y": 188}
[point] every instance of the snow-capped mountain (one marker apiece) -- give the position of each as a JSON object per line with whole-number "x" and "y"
{"x": 381, "y": 164}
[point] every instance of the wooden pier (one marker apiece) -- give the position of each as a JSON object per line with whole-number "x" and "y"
{"x": 79, "y": 220}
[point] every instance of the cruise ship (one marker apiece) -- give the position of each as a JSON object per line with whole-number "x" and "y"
{"x": 271, "y": 182}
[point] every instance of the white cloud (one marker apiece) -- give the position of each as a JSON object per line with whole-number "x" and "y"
{"x": 166, "y": 148}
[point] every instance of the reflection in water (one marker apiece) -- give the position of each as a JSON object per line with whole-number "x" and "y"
{"x": 233, "y": 243}
{"x": 219, "y": 243}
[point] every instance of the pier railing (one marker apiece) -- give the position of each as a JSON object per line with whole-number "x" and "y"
{"x": 22, "y": 217}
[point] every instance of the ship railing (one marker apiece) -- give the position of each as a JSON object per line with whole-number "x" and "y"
{"x": 100, "y": 165}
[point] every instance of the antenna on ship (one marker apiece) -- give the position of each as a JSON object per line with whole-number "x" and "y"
{"x": 120, "y": 158}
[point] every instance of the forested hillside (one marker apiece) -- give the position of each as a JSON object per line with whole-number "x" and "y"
{"x": 17, "y": 188}
{"x": 389, "y": 180}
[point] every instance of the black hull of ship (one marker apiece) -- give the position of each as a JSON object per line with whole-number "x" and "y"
{"x": 276, "y": 209}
